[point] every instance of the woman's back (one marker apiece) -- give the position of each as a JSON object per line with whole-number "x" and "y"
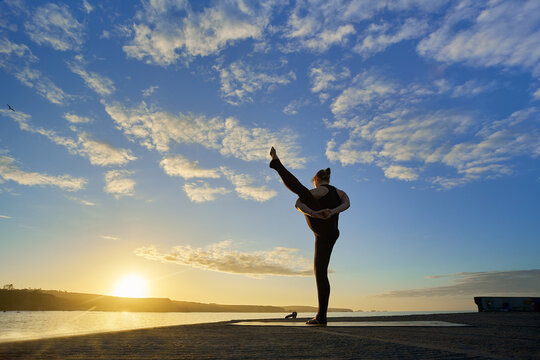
{"x": 328, "y": 201}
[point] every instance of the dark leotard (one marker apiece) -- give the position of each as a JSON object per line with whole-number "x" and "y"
{"x": 326, "y": 231}
{"x": 329, "y": 226}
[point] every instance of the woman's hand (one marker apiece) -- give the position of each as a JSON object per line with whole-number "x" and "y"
{"x": 322, "y": 214}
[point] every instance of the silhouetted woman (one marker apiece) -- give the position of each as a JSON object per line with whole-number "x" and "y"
{"x": 321, "y": 206}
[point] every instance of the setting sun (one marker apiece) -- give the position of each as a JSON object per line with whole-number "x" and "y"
{"x": 131, "y": 286}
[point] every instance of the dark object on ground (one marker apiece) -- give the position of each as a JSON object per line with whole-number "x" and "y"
{"x": 507, "y": 304}
{"x": 292, "y": 315}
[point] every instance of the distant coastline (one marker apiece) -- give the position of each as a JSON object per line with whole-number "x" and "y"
{"x": 54, "y": 300}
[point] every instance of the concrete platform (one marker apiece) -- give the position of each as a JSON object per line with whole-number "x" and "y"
{"x": 350, "y": 323}
{"x": 491, "y": 336}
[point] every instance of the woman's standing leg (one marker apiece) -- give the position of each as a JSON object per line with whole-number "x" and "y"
{"x": 323, "y": 250}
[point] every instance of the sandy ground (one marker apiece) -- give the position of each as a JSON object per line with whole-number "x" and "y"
{"x": 491, "y": 336}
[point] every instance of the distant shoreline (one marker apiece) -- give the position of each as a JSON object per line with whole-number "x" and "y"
{"x": 53, "y": 300}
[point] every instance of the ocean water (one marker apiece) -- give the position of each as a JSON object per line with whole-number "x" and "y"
{"x": 27, "y": 325}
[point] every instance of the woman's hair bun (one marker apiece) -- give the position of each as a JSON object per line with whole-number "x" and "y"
{"x": 328, "y": 171}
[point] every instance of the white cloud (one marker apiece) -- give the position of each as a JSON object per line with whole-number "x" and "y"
{"x": 536, "y": 94}
{"x": 329, "y": 37}
{"x": 54, "y": 25}
{"x": 472, "y": 88}
{"x": 378, "y": 37}
{"x": 222, "y": 258}
{"x": 485, "y": 33}
{"x": 243, "y": 186}
{"x": 325, "y": 76}
{"x": 109, "y": 237}
{"x": 8, "y": 49}
{"x": 403, "y": 141}
{"x": 239, "y": 81}
{"x": 400, "y": 172}
{"x": 102, "y": 85}
{"x": 16, "y": 60}
{"x": 166, "y": 31}
{"x": 156, "y": 130}
{"x": 367, "y": 88}
{"x": 101, "y": 153}
{"x": 5, "y": 217}
{"x": 150, "y": 90}
{"x": 87, "y": 7}
{"x": 119, "y": 184}
{"x": 178, "y": 165}
{"x": 202, "y": 192}
{"x": 42, "y": 84}
{"x": 489, "y": 283}
{"x": 9, "y": 171}
{"x": 347, "y": 154}
{"x": 98, "y": 152}
{"x": 317, "y": 25}
{"x": 294, "y": 106}
{"x": 81, "y": 201}
{"x": 76, "y": 119}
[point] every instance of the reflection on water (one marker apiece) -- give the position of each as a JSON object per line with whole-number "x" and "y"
{"x": 25, "y": 325}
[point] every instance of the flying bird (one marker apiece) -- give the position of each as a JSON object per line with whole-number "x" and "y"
{"x": 10, "y": 108}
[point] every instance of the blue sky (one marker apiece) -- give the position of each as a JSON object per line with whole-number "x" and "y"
{"x": 139, "y": 145}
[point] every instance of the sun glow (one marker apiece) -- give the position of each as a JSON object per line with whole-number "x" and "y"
{"x": 131, "y": 286}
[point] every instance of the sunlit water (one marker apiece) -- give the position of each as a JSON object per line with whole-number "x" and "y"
{"x": 26, "y": 325}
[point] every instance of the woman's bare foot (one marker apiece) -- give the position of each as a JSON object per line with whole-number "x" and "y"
{"x": 273, "y": 153}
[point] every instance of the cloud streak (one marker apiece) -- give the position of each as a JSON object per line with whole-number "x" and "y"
{"x": 490, "y": 283}
{"x": 98, "y": 152}
{"x": 221, "y": 257}
{"x": 9, "y": 171}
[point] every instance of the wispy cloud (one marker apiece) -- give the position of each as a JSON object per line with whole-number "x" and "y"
{"x": 380, "y": 36}
{"x": 53, "y": 25}
{"x": 178, "y": 165}
{"x": 405, "y": 140}
{"x": 5, "y": 217}
{"x": 98, "y": 152}
{"x": 118, "y": 183}
{"x": 202, "y": 192}
{"x": 222, "y": 258}
{"x": 101, "y": 153}
{"x": 494, "y": 283}
{"x": 9, "y": 171}
{"x": 102, "y": 85}
{"x": 239, "y": 81}
{"x": 165, "y": 32}
{"x": 76, "y": 119}
{"x": 294, "y": 106}
{"x": 243, "y": 186}
{"x": 400, "y": 172}
{"x": 42, "y": 84}
{"x": 149, "y": 91}
{"x": 87, "y": 7}
{"x": 81, "y": 201}
{"x": 484, "y": 33}
{"x": 109, "y": 237}
{"x": 17, "y": 59}
{"x": 157, "y": 129}
{"x": 325, "y": 76}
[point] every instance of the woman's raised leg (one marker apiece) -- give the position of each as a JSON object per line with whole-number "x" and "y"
{"x": 292, "y": 183}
